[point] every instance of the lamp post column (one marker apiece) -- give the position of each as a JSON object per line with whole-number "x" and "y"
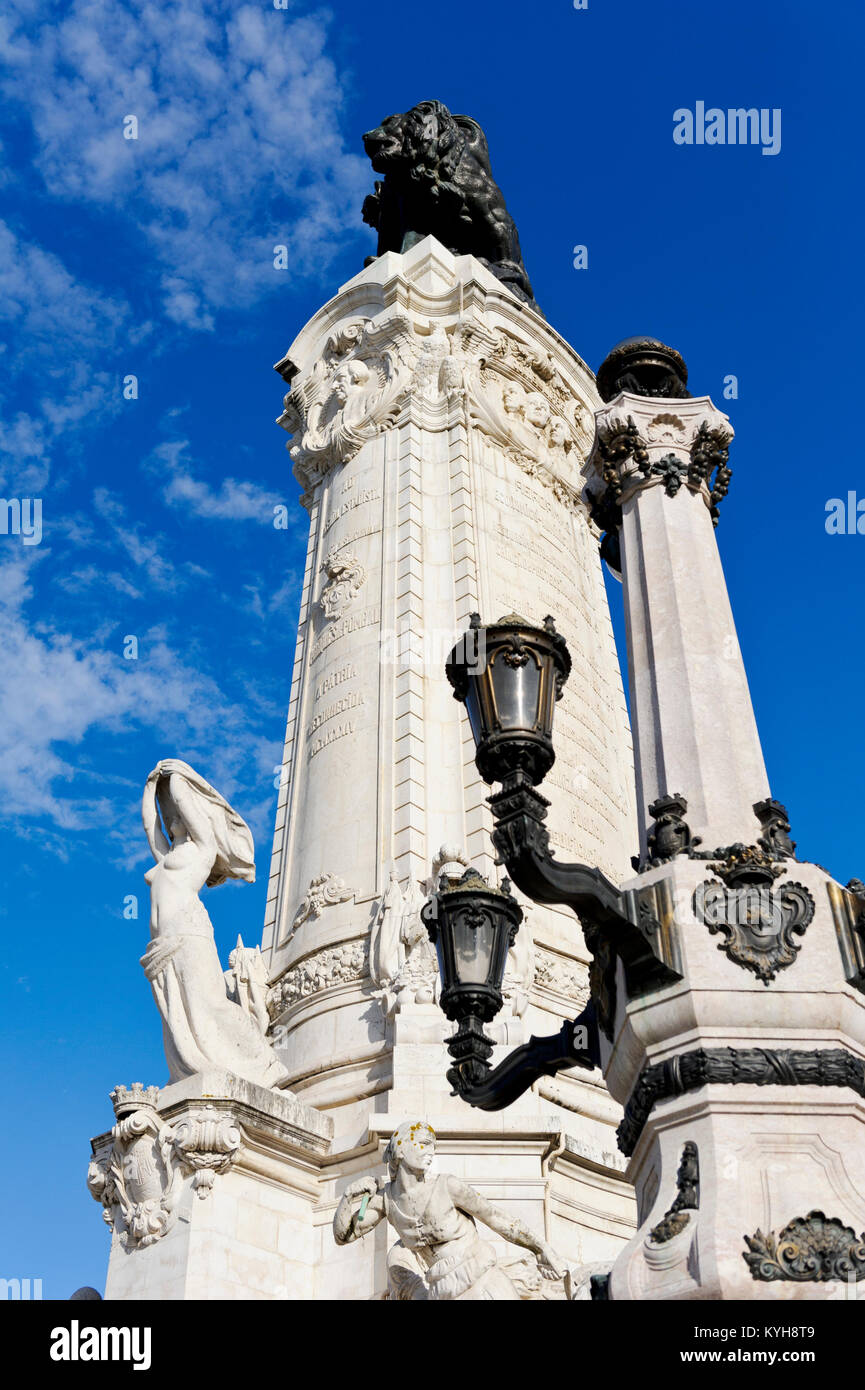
{"x": 657, "y": 474}
{"x": 742, "y": 1078}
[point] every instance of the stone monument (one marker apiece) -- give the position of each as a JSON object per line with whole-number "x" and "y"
{"x": 439, "y": 429}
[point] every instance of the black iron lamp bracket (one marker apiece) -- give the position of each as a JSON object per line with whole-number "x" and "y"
{"x": 575, "y": 1045}
{"x": 625, "y": 920}
{"x": 617, "y": 925}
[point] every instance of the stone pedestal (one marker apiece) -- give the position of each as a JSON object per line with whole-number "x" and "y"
{"x": 765, "y": 1075}
{"x": 209, "y": 1187}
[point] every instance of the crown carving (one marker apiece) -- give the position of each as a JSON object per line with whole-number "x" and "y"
{"x": 748, "y": 864}
{"x": 125, "y": 1099}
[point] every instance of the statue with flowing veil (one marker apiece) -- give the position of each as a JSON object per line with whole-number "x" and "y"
{"x": 197, "y": 839}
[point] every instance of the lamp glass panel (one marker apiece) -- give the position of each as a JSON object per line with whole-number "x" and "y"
{"x": 473, "y": 949}
{"x": 473, "y": 708}
{"x": 516, "y": 689}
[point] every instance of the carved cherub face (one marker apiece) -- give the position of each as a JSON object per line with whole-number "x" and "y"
{"x": 537, "y": 410}
{"x": 558, "y": 432}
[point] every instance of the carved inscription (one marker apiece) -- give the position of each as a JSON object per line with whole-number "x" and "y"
{"x": 352, "y": 622}
{"x": 367, "y": 494}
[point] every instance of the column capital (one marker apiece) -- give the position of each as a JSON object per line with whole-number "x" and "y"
{"x": 645, "y": 441}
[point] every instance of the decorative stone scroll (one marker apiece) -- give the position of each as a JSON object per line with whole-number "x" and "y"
{"x": 353, "y": 391}
{"x": 206, "y": 1143}
{"x": 345, "y": 575}
{"x": 324, "y": 891}
{"x": 811, "y": 1249}
{"x": 138, "y": 1181}
{"x": 687, "y": 1198}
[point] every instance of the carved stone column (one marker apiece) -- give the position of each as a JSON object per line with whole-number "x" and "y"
{"x": 742, "y": 1068}
{"x": 657, "y": 475}
{"x": 439, "y": 428}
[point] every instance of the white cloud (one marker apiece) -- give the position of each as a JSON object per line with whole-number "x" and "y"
{"x": 232, "y": 500}
{"x": 239, "y": 143}
{"x": 62, "y": 333}
{"x": 143, "y": 550}
{"x": 56, "y": 690}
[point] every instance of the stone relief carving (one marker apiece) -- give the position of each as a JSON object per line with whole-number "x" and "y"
{"x": 440, "y": 1255}
{"x": 324, "y": 891}
{"x": 196, "y": 839}
{"x": 439, "y": 371}
{"x": 811, "y": 1249}
{"x": 568, "y": 978}
{"x": 666, "y": 429}
{"x": 520, "y": 968}
{"x": 687, "y": 1198}
{"x": 246, "y": 982}
{"x": 346, "y": 575}
{"x": 368, "y": 368}
{"x": 402, "y": 962}
{"x": 354, "y": 390}
{"x": 531, "y": 431}
{"x": 138, "y": 1182}
{"x": 206, "y": 1143}
{"x": 337, "y": 965}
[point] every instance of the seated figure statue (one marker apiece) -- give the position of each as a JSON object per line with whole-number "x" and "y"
{"x": 198, "y": 840}
{"x": 440, "y": 1254}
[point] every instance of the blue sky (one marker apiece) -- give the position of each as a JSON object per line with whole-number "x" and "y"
{"x": 154, "y": 257}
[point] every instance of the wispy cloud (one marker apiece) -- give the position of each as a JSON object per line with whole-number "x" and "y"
{"x": 239, "y": 142}
{"x": 54, "y": 328}
{"x": 57, "y": 690}
{"x": 232, "y": 500}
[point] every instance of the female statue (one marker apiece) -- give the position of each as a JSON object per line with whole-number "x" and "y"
{"x": 199, "y": 840}
{"x": 440, "y": 1254}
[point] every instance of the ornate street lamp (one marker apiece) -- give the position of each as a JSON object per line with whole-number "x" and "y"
{"x": 472, "y": 927}
{"x": 509, "y": 675}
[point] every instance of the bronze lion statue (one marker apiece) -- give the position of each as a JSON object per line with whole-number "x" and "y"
{"x": 438, "y": 182}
